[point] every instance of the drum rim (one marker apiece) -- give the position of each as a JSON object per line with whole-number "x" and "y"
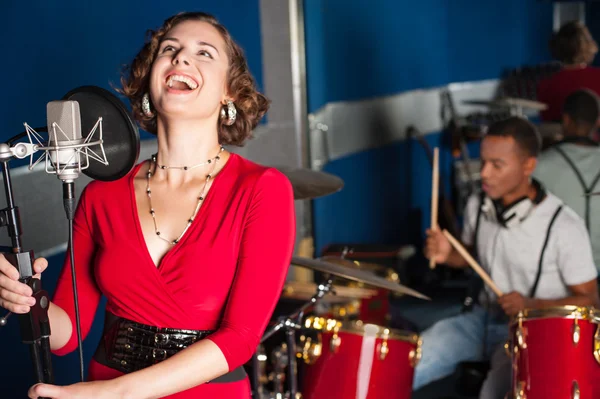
{"x": 563, "y": 312}
{"x": 357, "y": 327}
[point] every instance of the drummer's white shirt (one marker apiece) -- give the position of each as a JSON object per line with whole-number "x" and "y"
{"x": 511, "y": 255}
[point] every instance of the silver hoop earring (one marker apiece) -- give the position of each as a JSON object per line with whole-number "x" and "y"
{"x": 230, "y": 114}
{"x": 146, "y": 106}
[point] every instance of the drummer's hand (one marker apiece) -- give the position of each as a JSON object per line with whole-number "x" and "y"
{"x": 513, "y": 302}
{"x": 437, "y": 246}
{"x": 14, "y": 295}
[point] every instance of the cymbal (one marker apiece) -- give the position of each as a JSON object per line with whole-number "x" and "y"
{"x": 508, "y": 102}
{"x": 305, "y": 291}
{"x": 308, "y": 184}
{"x": 362, "y": 276}
{"x": 380, "y": 270}
{"x": 354, "y": 264}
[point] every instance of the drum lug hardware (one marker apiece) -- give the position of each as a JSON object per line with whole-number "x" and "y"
{"x": 576, "y": 333}
{"x": 521, "y": 334}
{"x": 311, "y": 351}
{"x": 507, "y": 348}
{"x": 414, "y": 356}
{"x": 520, "y": 391}
{"x": 597, "y": 344}
{"x": 575, "y": 394}
{"x": 383, "y": 347}
{"x": 336, "y": 341}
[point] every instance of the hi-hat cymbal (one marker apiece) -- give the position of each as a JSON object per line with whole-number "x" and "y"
{"x": 362, "y": 276}
{"x": 308, "y": 184}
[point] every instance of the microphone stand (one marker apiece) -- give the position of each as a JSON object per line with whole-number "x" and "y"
{"x": 35, "y": 325}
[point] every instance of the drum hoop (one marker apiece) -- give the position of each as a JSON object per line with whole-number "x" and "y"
{"x": 563, "y": 312}
{"x": 358, "y": 328}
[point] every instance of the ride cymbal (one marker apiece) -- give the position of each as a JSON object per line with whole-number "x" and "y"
{"x": 362, "y": 276}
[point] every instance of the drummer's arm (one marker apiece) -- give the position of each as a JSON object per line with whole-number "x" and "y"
{"x": 585, "y": 294}
{"x": 576, "y": 266}
{"x": 456, "y": 260}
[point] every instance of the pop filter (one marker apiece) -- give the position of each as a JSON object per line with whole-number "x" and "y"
{"x": 120, "y": 133}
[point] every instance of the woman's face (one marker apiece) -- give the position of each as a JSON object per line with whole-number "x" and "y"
{"x": 189, "y": 75}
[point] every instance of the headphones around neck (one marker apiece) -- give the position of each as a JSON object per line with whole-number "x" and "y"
{"x": 514, "y": 213}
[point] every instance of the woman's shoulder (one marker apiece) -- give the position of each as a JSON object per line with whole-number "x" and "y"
{"x": 248, "y": 168}
{"x": 263, "y": 177}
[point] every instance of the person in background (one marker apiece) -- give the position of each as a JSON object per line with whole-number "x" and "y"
{"x": 570, "y": 169}
{"x": 575, "y": 48}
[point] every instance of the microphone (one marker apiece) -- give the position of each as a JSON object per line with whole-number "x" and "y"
{"x": 84, "y": 109}
{"x": 64, "y": 140}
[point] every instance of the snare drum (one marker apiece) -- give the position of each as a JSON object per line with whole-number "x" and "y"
{"x": 358, "y": 360}
{"x": 553, "y": 354}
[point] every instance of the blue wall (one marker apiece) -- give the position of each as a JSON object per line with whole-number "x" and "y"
{"x": 358, "y": 50}
{"x": 50, "y": 48}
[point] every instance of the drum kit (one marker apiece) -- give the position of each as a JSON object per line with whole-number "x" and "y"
{"x": 320, "y": 356}
{"x": 340, "y": 357}
{"x": 555, "y": 352}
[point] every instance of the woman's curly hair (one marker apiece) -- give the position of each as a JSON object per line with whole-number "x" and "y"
{"x": 573, "y": 44}
{"x": 250, "y": 104}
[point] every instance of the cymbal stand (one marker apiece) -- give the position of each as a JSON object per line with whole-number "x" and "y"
{"x": 292, "y": 323}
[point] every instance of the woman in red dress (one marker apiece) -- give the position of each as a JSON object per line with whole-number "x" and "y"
{"x": 191, "y": 248}
{"x": 575, "y": 48}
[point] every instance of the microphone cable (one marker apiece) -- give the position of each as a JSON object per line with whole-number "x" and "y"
{"x": 69, "y": 204}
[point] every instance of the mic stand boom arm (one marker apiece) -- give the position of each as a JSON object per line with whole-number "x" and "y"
{"x": 35, "y": 325}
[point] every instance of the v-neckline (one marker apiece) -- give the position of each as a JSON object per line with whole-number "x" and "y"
{"x": 138, "y": 223}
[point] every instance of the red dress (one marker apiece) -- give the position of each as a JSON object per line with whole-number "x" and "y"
{"x": 555, "y": 89}
{"x": 226, "y": 273}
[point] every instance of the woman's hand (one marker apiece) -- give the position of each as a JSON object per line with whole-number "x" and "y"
{"x": 14, "y": 295}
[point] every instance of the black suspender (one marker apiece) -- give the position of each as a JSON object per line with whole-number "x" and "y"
{"x": 475, "y": 233}
{"x": 541, "y": 261}
{"x": 586, "y": 190}
{"x": 541, "y": 258}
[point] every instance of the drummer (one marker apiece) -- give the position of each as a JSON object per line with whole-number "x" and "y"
{"x": 519, "y": 231}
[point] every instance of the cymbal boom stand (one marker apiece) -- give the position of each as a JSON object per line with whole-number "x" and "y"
{"x": 292, "y": 323}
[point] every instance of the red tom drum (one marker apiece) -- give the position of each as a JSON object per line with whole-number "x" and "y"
{"x": 554, "y": 354}
{"x": 357, "y": 360}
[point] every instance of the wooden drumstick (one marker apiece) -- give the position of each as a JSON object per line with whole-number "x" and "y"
{"x": 435, "y": 180}
{"x": 478, "y": 269}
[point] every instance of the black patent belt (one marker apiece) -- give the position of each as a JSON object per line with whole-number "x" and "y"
{"x": 128, "y": 346}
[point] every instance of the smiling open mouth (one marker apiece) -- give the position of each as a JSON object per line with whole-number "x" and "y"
{"x": 180, "y": 82}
